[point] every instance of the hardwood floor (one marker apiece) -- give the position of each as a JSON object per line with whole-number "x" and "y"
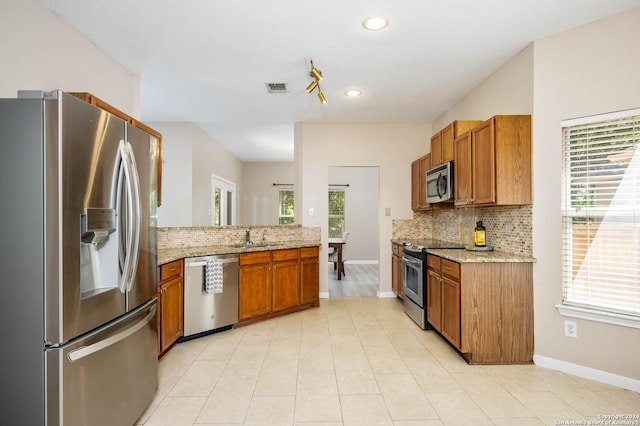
{"x": 360, "y": 281}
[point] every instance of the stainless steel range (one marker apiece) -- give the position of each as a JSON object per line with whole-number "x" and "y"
{"x": 414, "y": 278}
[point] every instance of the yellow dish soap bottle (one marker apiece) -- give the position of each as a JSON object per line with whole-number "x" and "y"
{"x": 480, "y": 235}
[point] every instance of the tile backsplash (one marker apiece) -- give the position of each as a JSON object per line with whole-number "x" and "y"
{"x": 225, "y": 235}
{"x": 509, "y": 229}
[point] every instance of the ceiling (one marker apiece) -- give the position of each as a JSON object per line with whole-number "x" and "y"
{"x": 207, "y": 61}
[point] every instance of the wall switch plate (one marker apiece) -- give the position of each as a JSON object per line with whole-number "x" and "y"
{"x": 570, "y": 328}
{"x": 387, "y": 211}
{"x": 310, "y": 211}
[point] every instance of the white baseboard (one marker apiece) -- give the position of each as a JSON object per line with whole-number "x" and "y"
{"x": 588, "y": 373}
{"x": 324, "y": 295}
{"x": 385, "y": 294}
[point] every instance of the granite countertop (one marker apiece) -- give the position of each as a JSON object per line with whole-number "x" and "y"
{"x": 454, "y": 251}
{"x": 170, "y": 254}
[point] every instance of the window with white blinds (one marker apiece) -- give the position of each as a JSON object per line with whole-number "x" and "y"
{"x": 601, "y": 212}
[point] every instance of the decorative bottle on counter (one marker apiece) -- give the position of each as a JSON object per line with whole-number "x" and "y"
{"x": 481, "y": 235}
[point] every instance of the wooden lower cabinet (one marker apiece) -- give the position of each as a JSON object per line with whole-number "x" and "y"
{"x": 396, "y": 269}
{"x": 286, "y": 279}
{"x": 170, "y": 305}
{"x": 255, "y": 285}
{"x": 484, "y": 309}
{"x": 310, "y": 275}
{"x": 277, "y": 282}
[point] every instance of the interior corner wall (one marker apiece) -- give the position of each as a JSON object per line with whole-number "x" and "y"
{"x": 586, "y": 71}
{"x": 260, "y": 198}
{"x": 507, "y": 91}
{"x": 391, "y": 147}
{"x": 212, "y": 158}
{"x": 40, "y": 51}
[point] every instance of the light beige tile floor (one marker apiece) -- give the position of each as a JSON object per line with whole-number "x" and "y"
{"x": 361, "y": 361}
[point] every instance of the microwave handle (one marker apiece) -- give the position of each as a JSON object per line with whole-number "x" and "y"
{"x": 438, "y": 186}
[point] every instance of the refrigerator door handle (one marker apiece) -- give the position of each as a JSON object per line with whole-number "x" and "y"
{"x": 136, "y": 214}
{"x": 93, "y": 348}
{"x": 123, "y": 152}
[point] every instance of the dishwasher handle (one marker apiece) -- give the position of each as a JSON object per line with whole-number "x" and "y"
{"x": 204, "y": 262}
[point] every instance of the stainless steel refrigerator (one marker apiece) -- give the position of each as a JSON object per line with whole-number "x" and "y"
{"x": 78, "y": 264}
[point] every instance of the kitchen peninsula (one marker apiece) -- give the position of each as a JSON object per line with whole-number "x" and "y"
{"x": 278, "y": 272}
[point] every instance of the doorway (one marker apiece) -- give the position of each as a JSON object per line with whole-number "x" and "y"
{"x": 353, "y": 196}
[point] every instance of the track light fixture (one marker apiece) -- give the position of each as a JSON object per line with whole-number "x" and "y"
{"x": 316, "y": 74}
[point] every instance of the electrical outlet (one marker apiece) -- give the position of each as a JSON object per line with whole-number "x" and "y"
{"x": 570, "y": 328}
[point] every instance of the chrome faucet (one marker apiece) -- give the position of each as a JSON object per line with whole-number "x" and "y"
{"x": 247, "y": 237}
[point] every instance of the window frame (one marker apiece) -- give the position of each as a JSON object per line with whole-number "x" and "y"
{"x": 286, "y": 216}
{"x": 337, "y": 216}
{"x": 595, "y": 211}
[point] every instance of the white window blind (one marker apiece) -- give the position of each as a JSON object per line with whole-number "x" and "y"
{"x": 601, "y": 212}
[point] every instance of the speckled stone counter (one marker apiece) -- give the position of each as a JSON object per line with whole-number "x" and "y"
{"x": 170, "y": 254}
{"x": 462, "y": 255}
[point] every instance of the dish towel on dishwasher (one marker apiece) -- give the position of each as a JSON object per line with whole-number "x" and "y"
{"x": 213, "y": 276}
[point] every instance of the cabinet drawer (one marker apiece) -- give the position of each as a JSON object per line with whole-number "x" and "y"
{"x": 309, "y": 252}
{"x": 287, "y": 254}
{"x": 170, "y": 270}
{"x": 451, "y": 269}
{"x": 433, "y": 262}
{"x": 255, "y": 257}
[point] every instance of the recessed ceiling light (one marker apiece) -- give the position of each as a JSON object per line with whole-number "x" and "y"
{"x": 353, "y": 93}
{"x": 375, "y": 24}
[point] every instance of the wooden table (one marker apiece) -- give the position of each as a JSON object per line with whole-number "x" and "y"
{"x": 337, "y": 244}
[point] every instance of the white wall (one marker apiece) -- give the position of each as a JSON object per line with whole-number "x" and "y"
{"x": 508, "y": 91}
{"x": 260, "y": 199}
{"x": 361, "y": 208}
{"x": 211, "y": 158}
{"x": 40, "y": 51}
{"x": 391, "y": 147}
{"x": 590, "y": 70}
{"x": 190, "y": 157}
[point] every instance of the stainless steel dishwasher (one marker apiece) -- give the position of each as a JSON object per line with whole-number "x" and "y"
{"x": 204, "y": 312}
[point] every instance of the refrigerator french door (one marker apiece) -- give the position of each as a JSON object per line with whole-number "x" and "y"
{"x": 81, "y": 276}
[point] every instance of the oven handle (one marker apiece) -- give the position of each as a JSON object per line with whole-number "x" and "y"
{"x": 416, "y": 263}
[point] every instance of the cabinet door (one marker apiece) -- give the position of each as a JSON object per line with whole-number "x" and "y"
{"x": 170, "y": 312}
{"x": 462, "y": 159}
{"x": 436, "y": 149}
{"x": 425, "y": 165}
{"x": 396, "y": 275}
{"x": 415, "y": 185}
{"x": 255, "y": 290}
{"x": 483, "y": 168}
{"x": 309, "y": 275}
{"x": 286, "y": 284}
{"x": 446, "y": 142}
{"x": 451, "y": 311}
{"x": 434, "y": 299}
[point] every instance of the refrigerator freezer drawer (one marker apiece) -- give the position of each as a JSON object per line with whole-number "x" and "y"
{"x": 108, "y": 377}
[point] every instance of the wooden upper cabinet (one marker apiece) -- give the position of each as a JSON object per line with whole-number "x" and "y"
{"x": 94, "y": 100}
{"x": 493, "y": 163}
{"x": 483, "y": 166}
{"x": 436, "y": 149}
{"x": 462, "y": 170}
{"x": 442, "y": 143}
{"x": 418, "y": 183}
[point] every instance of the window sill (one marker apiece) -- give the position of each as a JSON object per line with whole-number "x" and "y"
{"x": 599, "y": 316}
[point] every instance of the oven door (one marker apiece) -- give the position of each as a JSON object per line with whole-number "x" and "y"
{"x": 412, "y": 279}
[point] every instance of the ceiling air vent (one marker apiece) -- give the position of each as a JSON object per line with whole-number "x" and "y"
{"x": 277, "y": 87}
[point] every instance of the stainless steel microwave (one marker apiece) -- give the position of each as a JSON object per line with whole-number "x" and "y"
{"x": 440, "y": 183}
